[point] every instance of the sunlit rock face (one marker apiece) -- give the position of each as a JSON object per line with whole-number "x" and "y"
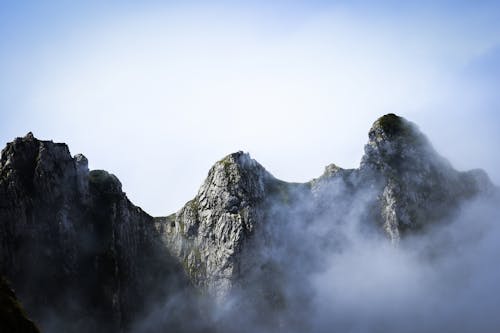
{"x": 209, "y": 231}
{"x": 83, "y": 258}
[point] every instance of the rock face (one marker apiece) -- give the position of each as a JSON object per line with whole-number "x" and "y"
{"x": 208, "y": 232}
{"x": 80, "y": 254}
{"x": 84, "y": 258}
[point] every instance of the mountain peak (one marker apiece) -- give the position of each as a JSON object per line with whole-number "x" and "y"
{"x": 419, "y": 184}
{"x": 29, "y": 136}
{"x": 391, "y": 127}
{"x": 391, "y": 124}
{"x": 240, "y": 161}
{"x": 398, "y": 144}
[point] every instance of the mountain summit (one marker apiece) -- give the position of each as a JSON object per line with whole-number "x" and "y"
{"x": 420, "y": 186}
{"x": 76, "y": 249}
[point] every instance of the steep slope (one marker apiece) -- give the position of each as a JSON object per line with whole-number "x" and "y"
{"x": 81, "y": 256}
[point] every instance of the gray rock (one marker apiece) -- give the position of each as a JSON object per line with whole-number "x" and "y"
{"x": 208, "y": 232}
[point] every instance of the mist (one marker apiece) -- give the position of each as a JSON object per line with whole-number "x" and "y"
{"x": 336, "y": 273}
{"x": 442, "y": 280}
{"x": 320, "y": 262}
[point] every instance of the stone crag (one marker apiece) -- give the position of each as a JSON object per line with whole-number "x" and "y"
{"x": 80, "y": 254}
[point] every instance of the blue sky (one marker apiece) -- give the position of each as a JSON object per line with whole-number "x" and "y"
{"x": 156, "y": 92}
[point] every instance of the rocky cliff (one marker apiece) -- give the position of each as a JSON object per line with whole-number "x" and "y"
{"x": 68, "y": 233}
{"x": 81, "y": 256}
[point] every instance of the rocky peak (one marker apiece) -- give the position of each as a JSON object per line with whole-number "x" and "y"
{"x": 397, "y": 145}
{"x": 29, "y": 164}
{"x": 209, "y": 231}
{"x": 419, "y": 185}
{"x": 234, "y": 182}
{"x": 390, "y": 126}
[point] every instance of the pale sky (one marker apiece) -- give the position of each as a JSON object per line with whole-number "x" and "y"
{"x": 157, "y": 92}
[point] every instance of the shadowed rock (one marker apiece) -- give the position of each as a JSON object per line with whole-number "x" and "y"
{"x": 81, "y": 256}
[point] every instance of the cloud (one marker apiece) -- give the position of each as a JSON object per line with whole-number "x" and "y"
{"x": 378, "y": 288}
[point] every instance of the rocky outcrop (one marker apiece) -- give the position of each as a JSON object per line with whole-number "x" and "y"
{"x": 81, "y": 256}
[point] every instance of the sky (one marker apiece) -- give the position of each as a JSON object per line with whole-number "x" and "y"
{"x": 156, "y": 92}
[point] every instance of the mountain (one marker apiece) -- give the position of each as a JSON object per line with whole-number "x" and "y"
{"x": 84, "y": 258}
{"x": 409, "y": 186}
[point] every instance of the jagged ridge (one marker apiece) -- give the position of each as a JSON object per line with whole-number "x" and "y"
{"x": 410, "y": 186}
{"x": 93, "y": 244}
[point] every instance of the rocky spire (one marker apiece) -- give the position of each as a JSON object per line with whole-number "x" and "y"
{"x": 209, "y": 231}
